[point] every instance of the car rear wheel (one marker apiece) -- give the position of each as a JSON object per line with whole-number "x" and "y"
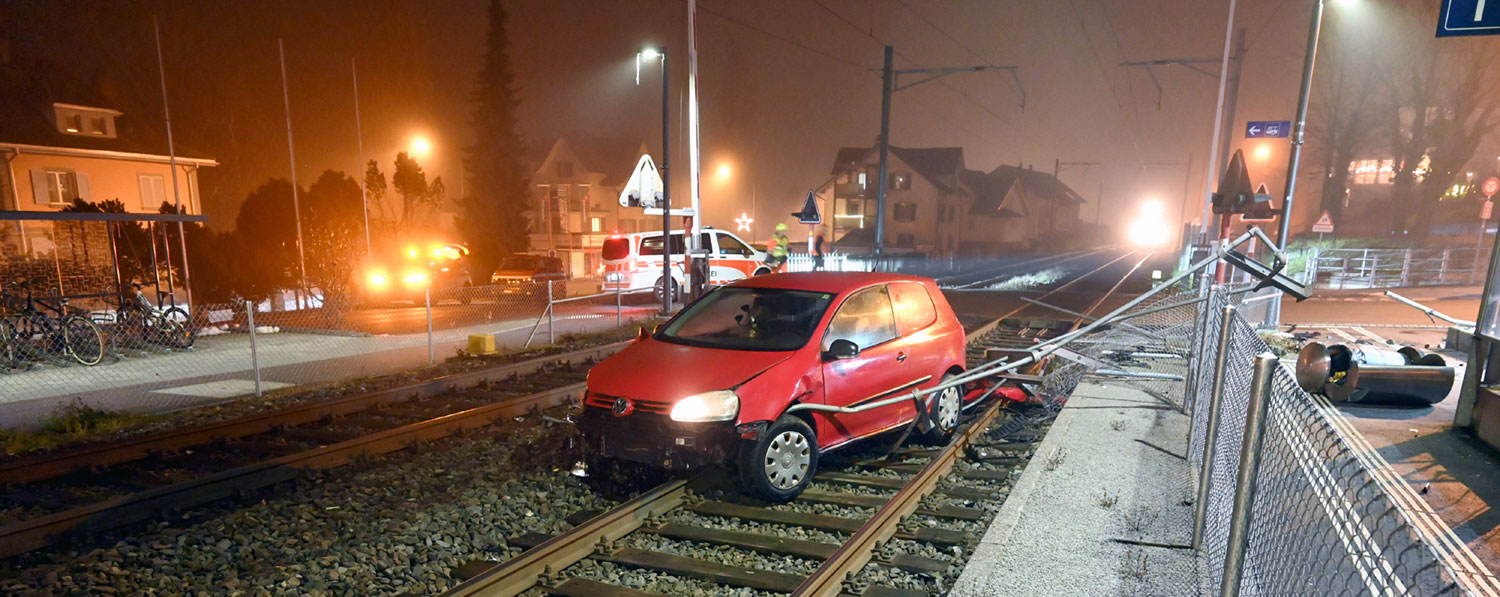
{"x": 945, "y": 413}
{"x": 780, "y": 463}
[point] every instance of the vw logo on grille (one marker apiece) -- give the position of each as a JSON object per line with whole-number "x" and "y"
{"x": 622, "y": 407}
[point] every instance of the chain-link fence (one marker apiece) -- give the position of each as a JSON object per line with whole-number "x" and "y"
{"x": 1305, "y": 507}
{"x": 154, "y": 357}
{"x": 1300, "y": 511}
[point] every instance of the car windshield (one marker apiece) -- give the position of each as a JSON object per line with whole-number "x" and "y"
{"x": 750, "y": 319}
{"x": 526, "y": 262}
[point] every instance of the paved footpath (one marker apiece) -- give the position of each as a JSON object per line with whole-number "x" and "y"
{"x": 1112, "y": 517}
{"x": 219, "y": 368}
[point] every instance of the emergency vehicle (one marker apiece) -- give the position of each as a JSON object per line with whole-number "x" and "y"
{"x": 405, "y": 275}
{"x": 633, "y": 261}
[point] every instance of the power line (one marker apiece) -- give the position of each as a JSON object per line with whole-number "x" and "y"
{"x": 787, "y": 40}
{"x": 940, "y": 30}
{"x": 867, "y": 33}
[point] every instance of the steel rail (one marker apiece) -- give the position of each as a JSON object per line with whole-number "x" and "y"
{"x": 851, "y": 557}
{"x": 47, "y": 466}
{"x": 856, "y": 552}
{"x": 528, "y": 569}
{"x": 991, "y": 277}
{"x": 36, "y": 533}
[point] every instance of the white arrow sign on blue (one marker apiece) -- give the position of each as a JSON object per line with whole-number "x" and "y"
{"x": 1469, "y": 17}
{"x": 1269, "y": 129}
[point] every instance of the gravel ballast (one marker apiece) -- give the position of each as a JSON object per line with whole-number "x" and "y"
{"x": 400, "y": 524}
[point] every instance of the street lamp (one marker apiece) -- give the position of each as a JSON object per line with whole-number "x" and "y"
{"x": 650, "y": 53}
{"x": 420, "y": 146}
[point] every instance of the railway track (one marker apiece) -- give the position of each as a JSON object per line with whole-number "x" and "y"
{"x": 914, "y": 512}
{"x": 990, "y": 276}
{"x": 97, "y": 488}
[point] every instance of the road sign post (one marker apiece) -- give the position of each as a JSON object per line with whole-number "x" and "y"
{"x": 1490, "y": 187}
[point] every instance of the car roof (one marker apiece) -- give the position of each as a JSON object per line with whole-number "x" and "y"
{"x": 826, "y": 281}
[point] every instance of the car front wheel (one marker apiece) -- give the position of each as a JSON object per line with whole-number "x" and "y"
{"x": 780, "y": 463}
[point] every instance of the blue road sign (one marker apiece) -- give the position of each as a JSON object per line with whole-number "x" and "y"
{"x": 1469, "y": 17}
{"x": 1271, "y": 129}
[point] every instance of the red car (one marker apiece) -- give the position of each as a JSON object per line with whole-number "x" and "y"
{"x": 718, "y": 383}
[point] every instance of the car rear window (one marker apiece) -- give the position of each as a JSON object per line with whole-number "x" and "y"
{"x": 914, "y": 308}
{"x": 615, "y": 249}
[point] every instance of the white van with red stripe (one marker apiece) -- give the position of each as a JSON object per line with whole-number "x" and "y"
{"x": 633, "y": 261}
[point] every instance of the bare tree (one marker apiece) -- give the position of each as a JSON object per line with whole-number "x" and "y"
{"x": 1348, "y": 108}
{"x": 1447, "y": 94}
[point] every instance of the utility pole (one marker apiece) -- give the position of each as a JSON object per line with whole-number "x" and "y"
{"x": 889, "y": 85}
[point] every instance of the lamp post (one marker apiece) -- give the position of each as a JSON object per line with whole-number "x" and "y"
{"x": 666, "y": 180}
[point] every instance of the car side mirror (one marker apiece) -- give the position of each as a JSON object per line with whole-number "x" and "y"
{"x": 841, "y": 349}
{"x": 644, "y": 334}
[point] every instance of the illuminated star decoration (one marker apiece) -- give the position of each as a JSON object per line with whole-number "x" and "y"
{"x": 743, "y": 222}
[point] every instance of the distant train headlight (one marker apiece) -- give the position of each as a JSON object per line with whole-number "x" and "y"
{"x": 378, "y": 280}
{"x": 1149, "y": 229}
{"x": 415, "y": 279}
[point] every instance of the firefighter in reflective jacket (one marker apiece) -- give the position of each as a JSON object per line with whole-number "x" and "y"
{"x": 776, "y": 250}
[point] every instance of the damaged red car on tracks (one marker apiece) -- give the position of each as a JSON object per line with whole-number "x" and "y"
{"x": 767, "y": 373}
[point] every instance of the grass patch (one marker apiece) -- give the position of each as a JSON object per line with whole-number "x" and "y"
{"x": 69, "y": 423}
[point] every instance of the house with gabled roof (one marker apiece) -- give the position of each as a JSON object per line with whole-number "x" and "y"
{"x": 575, "y": 205}
{"x": 936, "y": 206}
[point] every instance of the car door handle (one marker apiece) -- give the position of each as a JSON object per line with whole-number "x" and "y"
{"x": 901, "y": 357}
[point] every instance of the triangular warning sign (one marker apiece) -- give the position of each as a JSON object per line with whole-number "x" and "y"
{"x": 645, "y": 186}
{"x": 1324, "y": 224}
{"x": 1234, "y": 192}
{"x": 809, "y": 213}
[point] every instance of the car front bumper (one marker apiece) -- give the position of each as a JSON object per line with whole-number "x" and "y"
{"x": 657, "y": 440}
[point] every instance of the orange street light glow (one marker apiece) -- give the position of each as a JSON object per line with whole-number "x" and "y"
{"x": 420, "y": 146}
{"x": 724, "y": 172}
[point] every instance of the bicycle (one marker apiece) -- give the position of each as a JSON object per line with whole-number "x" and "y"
{"x": 143, "y": 322}
{"x": 39, "y": 334}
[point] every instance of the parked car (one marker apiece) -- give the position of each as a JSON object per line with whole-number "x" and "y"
{"x": 633, "y": 261}
{"x": 525, "y": 274}
{"x": 718, "y": 383}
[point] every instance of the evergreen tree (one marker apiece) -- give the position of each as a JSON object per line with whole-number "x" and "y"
{"x": 490, "y": 217}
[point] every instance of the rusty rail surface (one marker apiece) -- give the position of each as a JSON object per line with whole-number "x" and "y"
{"x": 36, "y": 533}
{"x": 48, "y": 466}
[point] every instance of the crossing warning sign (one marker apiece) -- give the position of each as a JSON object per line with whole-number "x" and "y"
{"x": 1324, "y": 224}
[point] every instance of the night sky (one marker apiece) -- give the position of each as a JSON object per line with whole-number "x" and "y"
{"x": 782, "y": 83}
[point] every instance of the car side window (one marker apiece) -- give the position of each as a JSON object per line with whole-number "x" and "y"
{"x": 728, "y": 245}
{"x": 865, "y": 319}
{"x": 914, "y": 308}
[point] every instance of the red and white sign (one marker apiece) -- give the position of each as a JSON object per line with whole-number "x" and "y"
{"x": 1491, "y": 186}
{"x": 1324, "y": 224}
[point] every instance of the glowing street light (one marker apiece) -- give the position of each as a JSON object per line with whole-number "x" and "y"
{"x": 724, "y": 171}
{"x": 420, "y": 146}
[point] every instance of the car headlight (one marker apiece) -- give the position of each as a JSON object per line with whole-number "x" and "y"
{"x": 721, "y": 405}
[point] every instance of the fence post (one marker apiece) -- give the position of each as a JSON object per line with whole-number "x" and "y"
{"x": 1195, "y": 358}
{"x": 431, "y": 350}
{"x": 1211, "y": 431}
{"x": 1443, "y": 269}
{"x": 1365, "y": 266}
{"x": 1405, "y": 267}
{"x": 1244, "y": 488}
{"x": 551, "y": 329}
{"x": 254, "y": 351}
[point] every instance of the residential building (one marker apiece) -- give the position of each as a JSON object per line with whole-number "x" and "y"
{"x": 576, "y": 202}
{"x": 936, "y": 206}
